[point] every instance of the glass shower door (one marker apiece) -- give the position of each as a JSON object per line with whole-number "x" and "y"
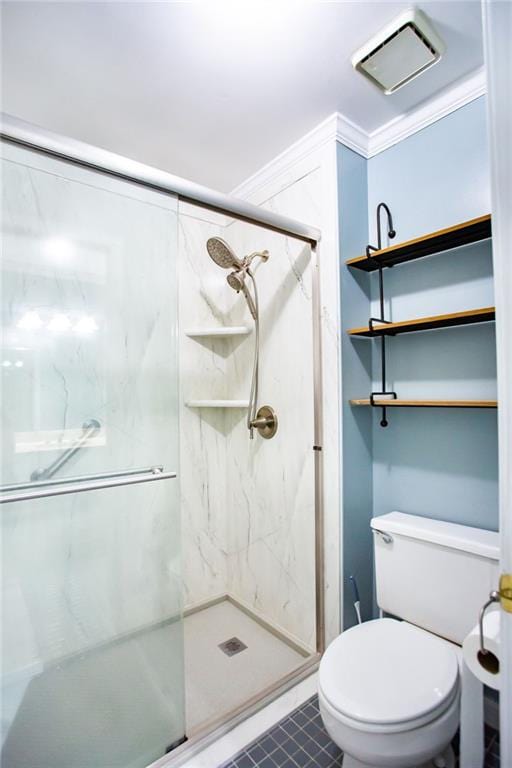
{"x": 92, "y": 638}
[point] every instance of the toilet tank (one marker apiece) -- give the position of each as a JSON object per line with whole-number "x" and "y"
{"x": 434, "y": 574}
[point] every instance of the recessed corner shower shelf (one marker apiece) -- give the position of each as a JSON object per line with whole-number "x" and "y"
{"x": 483, "y": 315}
{"x": 219, "y": 333}
{"x": 378, "y": 401}
{"x": 217, "y": 403}
{"x": 434, "y": 242}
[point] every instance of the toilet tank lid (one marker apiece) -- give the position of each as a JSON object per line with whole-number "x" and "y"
{"x": 474, "y": 540}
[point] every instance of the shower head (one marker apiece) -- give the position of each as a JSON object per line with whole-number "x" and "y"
{"x": 236, "y": 280}
{"x": 222, "y": 254}
{"x": 224, "y": 257}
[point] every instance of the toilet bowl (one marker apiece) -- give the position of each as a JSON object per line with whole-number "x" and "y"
{"x": 389, "y": 689}
{"x": 389, "y": 696}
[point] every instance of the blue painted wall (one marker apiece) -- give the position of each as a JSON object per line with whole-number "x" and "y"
{"x": 356, "y": 544}
{"x": 436, "y": 177}
{"x": 439, "y": 463}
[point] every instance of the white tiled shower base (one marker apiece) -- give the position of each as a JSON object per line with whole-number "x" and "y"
{"x": 215, "y": 683}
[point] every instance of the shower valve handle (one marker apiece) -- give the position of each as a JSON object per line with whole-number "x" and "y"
{"x": 265, "y": 422}
{"x": 261, "y": 422}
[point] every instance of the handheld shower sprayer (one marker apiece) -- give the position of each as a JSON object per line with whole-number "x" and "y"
{"x": 264, "y": 419}
{"x": 224, "y": 257}
{"x": 236, "y": 280}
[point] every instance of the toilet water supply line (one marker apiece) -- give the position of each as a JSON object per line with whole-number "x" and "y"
{"x": 357, "y": 602}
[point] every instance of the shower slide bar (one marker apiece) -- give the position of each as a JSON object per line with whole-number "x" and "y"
{"x": 81, "y": 483}
{"x": 33, "y": 137}
{"x": 89, "y": 428}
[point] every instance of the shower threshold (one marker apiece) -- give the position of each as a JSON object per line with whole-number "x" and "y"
{"x": 216, "y": 730}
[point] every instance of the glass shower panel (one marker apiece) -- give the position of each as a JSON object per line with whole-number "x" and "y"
{"x": 92, "y": 637}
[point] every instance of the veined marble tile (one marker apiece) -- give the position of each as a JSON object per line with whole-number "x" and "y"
{"x": 248, "y": 506}
{"x": 203, "y": 295}
{"x": 271, "y": 483}
{"x": 308, "y": 192}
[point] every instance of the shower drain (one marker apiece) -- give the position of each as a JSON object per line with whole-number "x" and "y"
{"x": 232, "y": 646}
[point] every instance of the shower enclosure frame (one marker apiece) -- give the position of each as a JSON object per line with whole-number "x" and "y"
{"x": 21, "y": 133}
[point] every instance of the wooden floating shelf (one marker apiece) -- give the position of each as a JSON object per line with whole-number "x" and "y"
{"x": 220, "y": 333}
{"x": 435, "y": 242}
{"x": 467, "y": 317}
{"x": 428, "y": 403}
{"x": 217, "y": 403}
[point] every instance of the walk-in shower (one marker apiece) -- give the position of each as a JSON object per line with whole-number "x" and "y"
{"x": 265, "y": 418}
{"x": 142, "y": 532}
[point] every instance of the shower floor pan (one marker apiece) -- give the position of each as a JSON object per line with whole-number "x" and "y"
{"x": 220, "y": 675}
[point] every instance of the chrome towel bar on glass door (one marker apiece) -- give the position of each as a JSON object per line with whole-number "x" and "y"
{"x": 79, "y": 478}
{"x": 83, "y": 483}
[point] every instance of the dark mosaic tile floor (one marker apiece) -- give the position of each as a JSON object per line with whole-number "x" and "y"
{"x": 301, "y": 741}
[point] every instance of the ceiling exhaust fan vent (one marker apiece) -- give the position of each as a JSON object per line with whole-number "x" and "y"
{"x": 400, "y": 52}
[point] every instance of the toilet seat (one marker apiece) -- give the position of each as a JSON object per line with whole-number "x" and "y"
{"x": 388, "y": 676}
{"x": 389, "y": 728}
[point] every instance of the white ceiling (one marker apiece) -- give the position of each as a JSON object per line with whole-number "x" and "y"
{"x": 211, "y": 90}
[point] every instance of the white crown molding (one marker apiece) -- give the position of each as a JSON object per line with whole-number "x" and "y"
{"x": 434, "y": 109}
{"x": 320, "y": 135}
{"x": 339, "y": 128}
{"x": 351, "y": 135}
{"x": 336, "y": 127}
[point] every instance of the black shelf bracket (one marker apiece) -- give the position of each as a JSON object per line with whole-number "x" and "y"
{"x": 369, "y": 248}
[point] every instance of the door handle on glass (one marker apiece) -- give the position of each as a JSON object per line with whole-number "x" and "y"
{"x": 85, "y": 483}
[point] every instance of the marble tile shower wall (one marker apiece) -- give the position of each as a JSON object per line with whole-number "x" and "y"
{"x": 248, "y": 507}
{"x": 271, "y": 560}
{"x": 304, "y": 187}
{"x": 203, "y": 296}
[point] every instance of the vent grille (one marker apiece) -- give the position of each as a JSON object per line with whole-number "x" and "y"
{"x": 402, "y": 51}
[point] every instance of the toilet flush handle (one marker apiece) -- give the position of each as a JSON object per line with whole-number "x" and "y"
{"x": 386, "y": 538}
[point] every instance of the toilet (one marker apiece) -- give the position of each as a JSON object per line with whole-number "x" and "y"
{"x": 389, "y": 689}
